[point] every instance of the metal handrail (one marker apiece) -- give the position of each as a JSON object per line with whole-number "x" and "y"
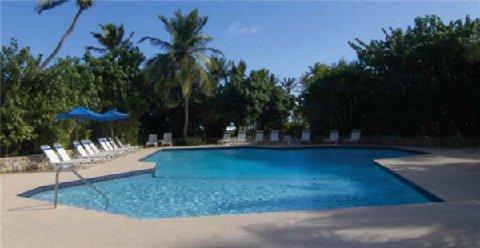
{"x": 59, "y": 169}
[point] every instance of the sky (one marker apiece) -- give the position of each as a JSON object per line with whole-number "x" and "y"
{"x": 284, "y": 37}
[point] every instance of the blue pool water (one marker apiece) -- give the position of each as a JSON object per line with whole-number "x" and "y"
{"x": 249, "y": 180}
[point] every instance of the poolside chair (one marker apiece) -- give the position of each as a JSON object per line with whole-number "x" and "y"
{"x": 93, "y": 149}
{"x": 82, "y": 151}
{"x": 152, "y": 140}
{"x": 113, "y": 147}
{"x": 167, "y": 139}
{"x": 226, "y": 139}
{"x": 57, "y": 164}
{"x": 79, "y": 150}
{"x": 274, "y": 136}
{"x": 354, "y": 136}
{"x": 241, "y": 137}
{"x": 64, "y": 156}
{"x": 259, "y": 137}
{"x": 116, "y": 147}
{"x": 333, "y": 139}
{"x": 305, "y": 138}
{"x": 107, "y": 147}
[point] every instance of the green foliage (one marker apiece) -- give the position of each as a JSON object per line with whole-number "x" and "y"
{"x": 122, "y": 85}
{"x": 256, "y": 99}
{"x": 31, "y": 97}
{"x": 111, "y": 38}
{"x": 422, "y": 81}
{"x": 187, "y": 54}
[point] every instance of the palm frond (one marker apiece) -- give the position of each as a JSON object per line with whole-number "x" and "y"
{"x": 48, "y": 4}
{"x": 97, "y": 49}
{"x": 156, "y": 42}
{"x": 208, "y": 49}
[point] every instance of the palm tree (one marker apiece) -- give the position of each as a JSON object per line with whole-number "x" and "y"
{"x": 187, "y": 49}
{"x": 110, "y": 38}
{"x": 50, "y": 4}
{"x": 289, "y": 85}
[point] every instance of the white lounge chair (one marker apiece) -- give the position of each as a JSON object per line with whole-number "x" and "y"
{"x": 305, "y": 138}
{"x": 274, "y": 136}
{"x": 241, "y": 137}
{"x": 354, "y": 136}
{"x": 226, "y": 139}
{"x": 79, "y": 149}
{"x": 152, "y": 140}
{"x": 64, "y": 156}
{"x": 57, "y": 164}
{"x": 92, "y": 150}
{"x": 333, "y": 139}
{"x": 116, "y": 147}
{"x": 259, "y": 137}
{"x": 108, "y": 147}
{"x": 167, "y": 139}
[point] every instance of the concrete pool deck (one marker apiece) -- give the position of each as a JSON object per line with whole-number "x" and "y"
{"x": 451, "y": 174}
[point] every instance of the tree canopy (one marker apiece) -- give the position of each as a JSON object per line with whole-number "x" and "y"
{"x": 421, "y": 81}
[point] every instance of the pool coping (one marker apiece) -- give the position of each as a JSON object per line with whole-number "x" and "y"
{"x": 430, "y": 196}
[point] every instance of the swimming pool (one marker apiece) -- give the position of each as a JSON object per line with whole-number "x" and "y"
{"x": 200, "y": 182}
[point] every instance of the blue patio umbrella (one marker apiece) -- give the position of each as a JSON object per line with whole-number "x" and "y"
{"x": 79, "y": 113}
{"x": 113, "y": 115}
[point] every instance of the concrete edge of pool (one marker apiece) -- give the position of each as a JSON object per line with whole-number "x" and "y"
{"x": 430, "y": 196}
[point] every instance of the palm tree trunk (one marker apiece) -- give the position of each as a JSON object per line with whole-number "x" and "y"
{"x": 63, "y": 39}
{"x": 185, "y": 125}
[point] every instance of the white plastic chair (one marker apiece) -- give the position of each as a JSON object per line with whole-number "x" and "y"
{"x": 305, "y": 136}
{"x": 84, "y": 154}
{"x": 355, "y": 136}
{"x": 152, "y": 140}
{"x": 167, "y": 139}
{"x": 259, "y": 136}
{"x": 241, "y": 137}
{"x": 333, "y": 137}
{"x": 64, "y": 156}
{"x": 274, "y": 136}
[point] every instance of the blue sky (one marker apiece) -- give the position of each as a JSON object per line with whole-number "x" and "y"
{"x": 285, "y": 37}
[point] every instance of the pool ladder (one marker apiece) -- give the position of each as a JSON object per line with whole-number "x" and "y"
{"x": 59, "y": 169}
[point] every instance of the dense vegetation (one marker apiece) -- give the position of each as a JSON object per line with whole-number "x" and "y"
{"x": 421, "y": 81}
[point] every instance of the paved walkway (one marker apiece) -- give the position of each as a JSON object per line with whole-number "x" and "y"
{"x": 451, "y": 174}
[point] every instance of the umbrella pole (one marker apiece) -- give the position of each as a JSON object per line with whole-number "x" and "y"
{"x": 111, "y": 129}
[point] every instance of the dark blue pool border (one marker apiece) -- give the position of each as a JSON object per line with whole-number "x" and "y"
{"x": 431, "y": 197}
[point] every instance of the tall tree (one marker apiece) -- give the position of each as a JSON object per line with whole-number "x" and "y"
{"x": 111, "y": 37}
{"x": 187, "y": 49}
{"x": 43, "y": 5}
{"x": 289, "y": 85}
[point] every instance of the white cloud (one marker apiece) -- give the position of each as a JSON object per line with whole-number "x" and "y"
{"x": 238, "y": 29}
